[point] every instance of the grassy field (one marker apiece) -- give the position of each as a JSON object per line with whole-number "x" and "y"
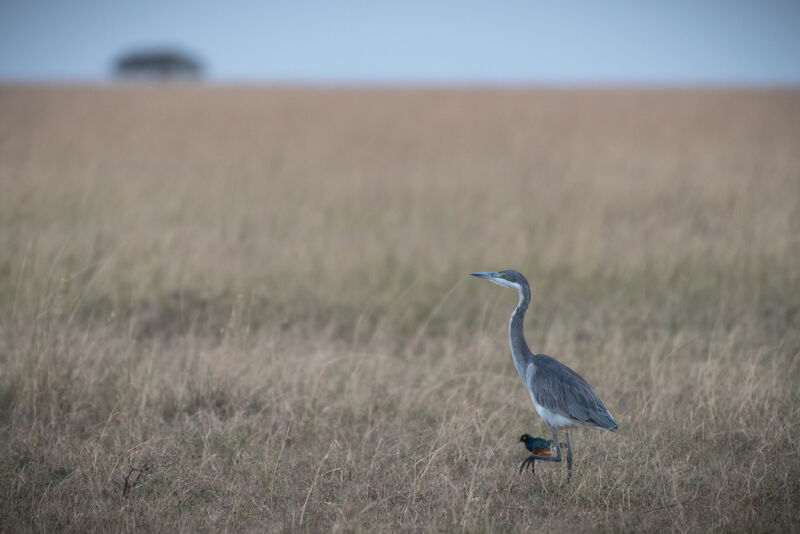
{"x": 250, "y": 310}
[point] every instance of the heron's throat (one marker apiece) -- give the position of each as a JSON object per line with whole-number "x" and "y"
{"x": 516, "y": 336}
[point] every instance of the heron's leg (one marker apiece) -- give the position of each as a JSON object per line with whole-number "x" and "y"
{"x": 569, "y": 457}
{"x": 533, "y": 457}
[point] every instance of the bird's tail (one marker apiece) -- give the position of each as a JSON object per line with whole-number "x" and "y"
{"x": 605, "y": 421}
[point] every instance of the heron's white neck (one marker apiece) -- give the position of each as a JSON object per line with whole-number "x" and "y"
{"x": 516, "y": 336}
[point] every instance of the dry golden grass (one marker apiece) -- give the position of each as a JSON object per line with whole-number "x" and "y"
{"x": 250, "y": 309}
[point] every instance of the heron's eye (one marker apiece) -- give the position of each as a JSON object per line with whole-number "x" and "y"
{"x": 502, "y": 275}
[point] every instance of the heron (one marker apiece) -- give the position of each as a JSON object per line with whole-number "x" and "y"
{"x": 561, "y": 397}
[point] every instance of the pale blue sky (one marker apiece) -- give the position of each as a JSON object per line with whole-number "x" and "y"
{"x": 517, "y": 42}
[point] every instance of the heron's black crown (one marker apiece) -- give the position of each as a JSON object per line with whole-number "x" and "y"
{"x": 513, "y": 276}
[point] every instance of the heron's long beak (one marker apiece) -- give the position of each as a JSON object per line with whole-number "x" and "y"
{"x": 494, "y": 278}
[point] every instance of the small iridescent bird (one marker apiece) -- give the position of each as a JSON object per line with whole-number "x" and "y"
{"x": 538, "y": 446}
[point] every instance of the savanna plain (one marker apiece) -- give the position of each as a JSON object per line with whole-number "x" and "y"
{"x": 243, "y": 309}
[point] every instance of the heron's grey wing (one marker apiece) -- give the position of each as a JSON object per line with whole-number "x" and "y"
{"x": 563, "y": 391}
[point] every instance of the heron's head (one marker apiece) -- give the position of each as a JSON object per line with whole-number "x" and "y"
{"x": 507, "y": 278}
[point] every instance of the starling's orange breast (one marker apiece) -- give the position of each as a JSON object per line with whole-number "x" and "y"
{"x": 547, "y": 451}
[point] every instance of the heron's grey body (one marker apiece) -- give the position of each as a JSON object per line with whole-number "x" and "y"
{"x": 562, "y": 398}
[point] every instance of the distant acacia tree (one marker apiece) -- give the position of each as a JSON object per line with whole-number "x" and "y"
{"x": 160, "y": 64}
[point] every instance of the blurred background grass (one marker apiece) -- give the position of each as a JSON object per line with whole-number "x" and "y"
{"x": 262, "y": 295}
